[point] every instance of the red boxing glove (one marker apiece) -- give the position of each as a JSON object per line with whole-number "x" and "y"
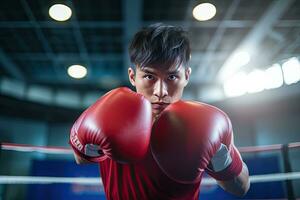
{"x": 118, "y": 126}
{"x": 185, "y": 139}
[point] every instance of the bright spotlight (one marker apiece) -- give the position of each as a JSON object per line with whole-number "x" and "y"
{"x": 240, "y": 58}
{"x": 255, "y": 81}
{"x": 204, "y": 11}
{"x": 291, "y": 71}
{"x": 60, "y": 12}
{"x": 236, "y": 86}
{"x": 77, "y": 71}
{"x": 273, "y": 77}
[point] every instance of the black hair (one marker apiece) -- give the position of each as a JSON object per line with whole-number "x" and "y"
{"x": 160, "y": 45}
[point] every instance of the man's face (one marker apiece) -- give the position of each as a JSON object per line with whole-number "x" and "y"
{"x": 160, "y": 86}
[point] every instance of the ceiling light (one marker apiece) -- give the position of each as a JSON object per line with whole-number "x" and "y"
{"x": 236, "y": 86}
{"x": 255, "y": 81}
{"x": 273, "y": 77}
{"x": 60, "y": 12}
{"x": 204, "y": 11}
{"x": 291, "y": 71}
{"x": 77, "y": 71}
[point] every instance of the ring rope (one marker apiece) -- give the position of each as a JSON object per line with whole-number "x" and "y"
{"x": 98, "y": 181}
{"x": 40, "y": 149}
{"x": 48, "y": 180}
{"x": 65, "y": 150}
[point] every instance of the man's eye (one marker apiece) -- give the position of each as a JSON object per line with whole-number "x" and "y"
{"x": 172, "y": 77}
{"x": 149, "y": 77}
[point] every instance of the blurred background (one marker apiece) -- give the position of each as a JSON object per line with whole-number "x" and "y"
{"x": 58, "y": 57}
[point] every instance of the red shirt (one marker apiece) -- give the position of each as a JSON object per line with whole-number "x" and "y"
{"x": 143, "y": 180}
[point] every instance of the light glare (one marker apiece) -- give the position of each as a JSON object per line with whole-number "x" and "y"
{"x": 240, "y": 58}
{"x": 273, "y": 77}
{"x": 204, "y": 11}
{"x": 60, "y": 12}
{"x": 255, "y": 81}
{"x": 77, "y": 71}
{"x": 291, "y": 71}
{"x": 236, "y": 86}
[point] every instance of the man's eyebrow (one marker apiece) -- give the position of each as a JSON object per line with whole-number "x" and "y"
{"x": 176, "y": 71}
{"x": 147, "y": 71}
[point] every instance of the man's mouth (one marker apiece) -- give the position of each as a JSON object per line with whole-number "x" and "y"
{"x": 159, "y": 105}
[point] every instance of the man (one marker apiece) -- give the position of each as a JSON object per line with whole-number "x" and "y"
{"x": 158, "y": 150}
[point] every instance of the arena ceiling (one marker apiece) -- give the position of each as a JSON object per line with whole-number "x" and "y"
{"x": 37, "y": 50}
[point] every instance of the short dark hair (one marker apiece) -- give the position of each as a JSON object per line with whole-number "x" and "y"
{"x": 160, "y": 44}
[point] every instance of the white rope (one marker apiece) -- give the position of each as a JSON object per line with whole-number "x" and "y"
{"x": 66, "y": 150}
{"x": 97, "y": 181}
{"x": 48, "y": 180}
{"x": 44, "y": 150}
{"x": 274, "y": 177}
{"x": 262, "y": 178}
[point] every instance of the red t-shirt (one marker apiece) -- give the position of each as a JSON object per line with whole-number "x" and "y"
{"x": 143, "y": 180}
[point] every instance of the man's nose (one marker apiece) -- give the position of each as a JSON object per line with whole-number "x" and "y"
{"x": 160, "y": 89}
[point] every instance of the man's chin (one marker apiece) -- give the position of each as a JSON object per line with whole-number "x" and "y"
{"x": 156, "y": 113}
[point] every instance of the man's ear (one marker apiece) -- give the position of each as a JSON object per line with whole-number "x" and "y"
{"x": 131, "y": 76}
{"x": 188, "y": 72}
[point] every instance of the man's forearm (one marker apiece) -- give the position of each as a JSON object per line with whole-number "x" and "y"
{"x": 239, "y": 185}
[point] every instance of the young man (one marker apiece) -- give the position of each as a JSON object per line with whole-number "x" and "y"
{"x": 150, "y": 144}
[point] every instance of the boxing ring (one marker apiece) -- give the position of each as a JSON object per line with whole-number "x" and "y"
{"x": 287, "y": 176}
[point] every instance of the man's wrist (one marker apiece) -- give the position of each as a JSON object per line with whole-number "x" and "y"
{"x": 221, "y": 160}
